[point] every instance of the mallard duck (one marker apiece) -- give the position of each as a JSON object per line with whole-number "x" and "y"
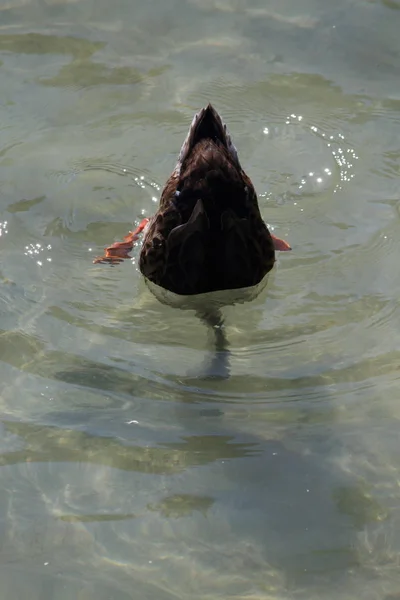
{"x": 207, "y": 234}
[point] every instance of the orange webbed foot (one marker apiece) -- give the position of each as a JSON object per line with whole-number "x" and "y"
{"x": 280, "y": 244}
{"x": 119, "y": 251}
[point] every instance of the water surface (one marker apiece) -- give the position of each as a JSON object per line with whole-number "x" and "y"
{"x": 120, "y": 475}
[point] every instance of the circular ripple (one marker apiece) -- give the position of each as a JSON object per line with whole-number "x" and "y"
{"x": 140, "y": 178}
{"x": 303, "y": 145}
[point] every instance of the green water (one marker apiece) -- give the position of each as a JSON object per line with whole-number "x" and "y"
{"x": 121, "y": 476}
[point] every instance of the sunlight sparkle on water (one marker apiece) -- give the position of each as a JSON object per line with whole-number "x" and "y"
{"x": 3, "y": 228}
{"x": 35, "y": 250}
{"x": 343, "y": 156}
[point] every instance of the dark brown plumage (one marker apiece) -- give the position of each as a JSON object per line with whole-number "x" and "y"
{"x": 208, "y": 233}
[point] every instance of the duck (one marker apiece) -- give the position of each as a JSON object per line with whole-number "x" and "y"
{"x": 207, "y": 234}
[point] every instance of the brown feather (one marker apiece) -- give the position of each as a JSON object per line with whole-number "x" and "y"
{"x": 207, "y": 234}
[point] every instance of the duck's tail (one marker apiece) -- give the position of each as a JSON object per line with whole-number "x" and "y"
{"x": 219, "y": 367}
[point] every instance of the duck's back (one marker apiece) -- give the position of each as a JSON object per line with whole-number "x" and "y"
{"x": 209, "y": 234}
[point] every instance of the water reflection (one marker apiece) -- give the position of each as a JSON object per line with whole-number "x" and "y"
{"x": 103, "y": 517}
{"x": 85, "y": 73}
{"x": 285, "y": 499}
{"x": 44, "y": 444}
{"x": 24, "y": 205}
{"x": 182, "y": 505}
{"x": 37, "y": 43}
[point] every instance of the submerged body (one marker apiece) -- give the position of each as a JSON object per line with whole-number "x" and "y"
{"x": 207, "y": 244}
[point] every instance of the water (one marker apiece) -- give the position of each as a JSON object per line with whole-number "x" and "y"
{"x": 123, "y": 477}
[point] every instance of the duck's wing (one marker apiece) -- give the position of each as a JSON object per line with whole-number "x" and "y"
{"x": 174, "y": 257}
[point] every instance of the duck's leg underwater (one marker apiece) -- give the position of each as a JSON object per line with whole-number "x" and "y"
{"x": 118, "y": 251}
{"x": 219, "y": 367}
